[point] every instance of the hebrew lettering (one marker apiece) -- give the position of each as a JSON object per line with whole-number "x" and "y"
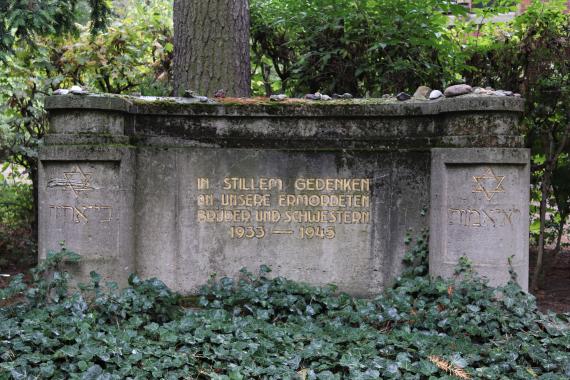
{"x": 474, "y": 217}
{"x": 82, "y": 214}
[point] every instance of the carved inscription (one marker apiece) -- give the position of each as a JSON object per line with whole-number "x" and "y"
{"x": 489, "y": 183}
{"x": 75, "y": 180}
{"x": 79, "y": 182}
{"x": 478, "y": 217}
{"x": 303, "y": 208}
{"x": 82, "y": 214}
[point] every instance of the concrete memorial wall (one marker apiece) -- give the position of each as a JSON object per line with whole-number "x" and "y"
{"x": 322, "y": 192}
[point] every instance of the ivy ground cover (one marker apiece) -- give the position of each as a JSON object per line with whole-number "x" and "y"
{"x": 264, "y": 327}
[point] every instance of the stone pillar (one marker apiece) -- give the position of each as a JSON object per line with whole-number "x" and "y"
{"x": 86, "y": 196}
{"x": 479, "y": 209}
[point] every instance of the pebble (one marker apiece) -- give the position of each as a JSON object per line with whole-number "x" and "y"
{"x": 315, "y": 96}
{"x": 517, "y": 95}
{"x": 435, "y": 94}
{"x": 491, "y": 91}
{"x": 203, "y": 99}
{"x": 386, "y": 96}
{"x": 325, "y": 97}
{"x": 507, "y": 93}
{"x": 61, "y": 91}
{"x": 346, "y": 95}
{"x": 457, "y": 90}
{"x": 220, "y": 94}
{"x": 403, "y": 96}
{"x": 189, "y": 94}
{"x": 76, "y": 90}
{"x": 278, "y": 97}
{"x": 482, "y": 91}
{"x": 422, "y": 92}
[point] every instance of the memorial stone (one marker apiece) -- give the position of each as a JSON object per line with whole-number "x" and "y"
{"x": 324, "y": 193}
{"x": 479, "y": 209}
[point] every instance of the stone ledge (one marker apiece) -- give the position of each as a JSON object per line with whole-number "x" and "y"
{"x": 293, "y": 108}
{"x": 78, "y": 139}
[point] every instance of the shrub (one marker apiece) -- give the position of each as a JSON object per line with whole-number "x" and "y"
{"x": 261, "y": 327}
{"x": 363, "y": 47}
{"x": 16, "y": 215}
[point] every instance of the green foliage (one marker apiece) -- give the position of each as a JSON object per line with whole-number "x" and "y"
{"x": 261, "y": 327}
{"x": 15, "y": 202}
{"x": 545, "y": 56}
{"x": 361, "y": 46}
{"x": 147, "y": 299}
{"x": 558, "y": 203}
{"x": 531, "y": 55}
{"x": 100, "y": 12}
{"x": 50, "y": 278}
{"x": 50, "y": 281}
{"x": 22, "y": 21}
{"x": 16, "y": 215}
{"x": 561, "y": 187}
{"x": 132, "y": 55}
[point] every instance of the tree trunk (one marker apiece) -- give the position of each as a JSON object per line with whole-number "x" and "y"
{"x": 266, "y": 74}
{"x": 559, "y": 237}
{"x": 558, "y": 248}
{"x": 33, "y": 169}
{"x": 211, "y": 47}
{"x": 540, "y": 254}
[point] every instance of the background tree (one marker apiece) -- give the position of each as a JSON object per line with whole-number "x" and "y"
{"x": 132, "y": 55}
{"x": 211, "y": 40}
{"x": 21, "y": 21}
{"x": 532, "y": 55}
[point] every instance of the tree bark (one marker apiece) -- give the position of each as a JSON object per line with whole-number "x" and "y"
{"x": 553, "y": 151}
{"x": 540, "y": 254}
{"x": 211, "y": 47}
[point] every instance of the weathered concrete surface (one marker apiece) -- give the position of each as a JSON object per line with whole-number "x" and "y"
{"x": 86, "y": 202}
{"x": 354, "y": 258}
{"x": 322, "y": 192}
{"x": 479, "y": 209}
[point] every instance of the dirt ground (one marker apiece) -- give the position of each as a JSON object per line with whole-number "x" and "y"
{"x": 554, "y": 294}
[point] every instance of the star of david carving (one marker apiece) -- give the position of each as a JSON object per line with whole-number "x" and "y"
{"x": 489, "y": 184}
{"x": 77, "y": 180}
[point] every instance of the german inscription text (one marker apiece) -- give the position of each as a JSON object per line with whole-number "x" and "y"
{"x": 303, "y": 208}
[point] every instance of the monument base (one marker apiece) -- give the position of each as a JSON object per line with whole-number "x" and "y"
{"x": 321, "y": 192}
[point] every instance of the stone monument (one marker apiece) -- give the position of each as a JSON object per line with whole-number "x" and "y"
{"x": 322, "y": 192}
